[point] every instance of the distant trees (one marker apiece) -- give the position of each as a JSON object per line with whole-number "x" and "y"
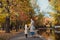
{"x": 39, "y": 19}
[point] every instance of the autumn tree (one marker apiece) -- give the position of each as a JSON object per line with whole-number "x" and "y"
{"x": 57, "y": 8}
{"x": 17, "y": 10}
{"x": 56, "y": 5}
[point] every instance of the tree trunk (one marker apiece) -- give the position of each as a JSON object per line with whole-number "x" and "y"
{"x": 7, "y": 24}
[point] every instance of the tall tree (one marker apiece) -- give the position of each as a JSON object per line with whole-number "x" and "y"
{"x": 56, "y": 5}
{"x": 19, "y": 10}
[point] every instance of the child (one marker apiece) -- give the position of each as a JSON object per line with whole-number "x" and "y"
{"x": 26, "y": 30}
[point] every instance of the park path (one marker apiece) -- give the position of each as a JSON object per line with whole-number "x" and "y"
{"x": 21, "y": 36}
{"x": 44, "y": 36}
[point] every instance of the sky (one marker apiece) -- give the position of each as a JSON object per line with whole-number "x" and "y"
{"x": 44, "y": 6}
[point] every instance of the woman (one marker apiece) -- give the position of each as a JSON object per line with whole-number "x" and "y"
{"x": 32, "y": 28}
